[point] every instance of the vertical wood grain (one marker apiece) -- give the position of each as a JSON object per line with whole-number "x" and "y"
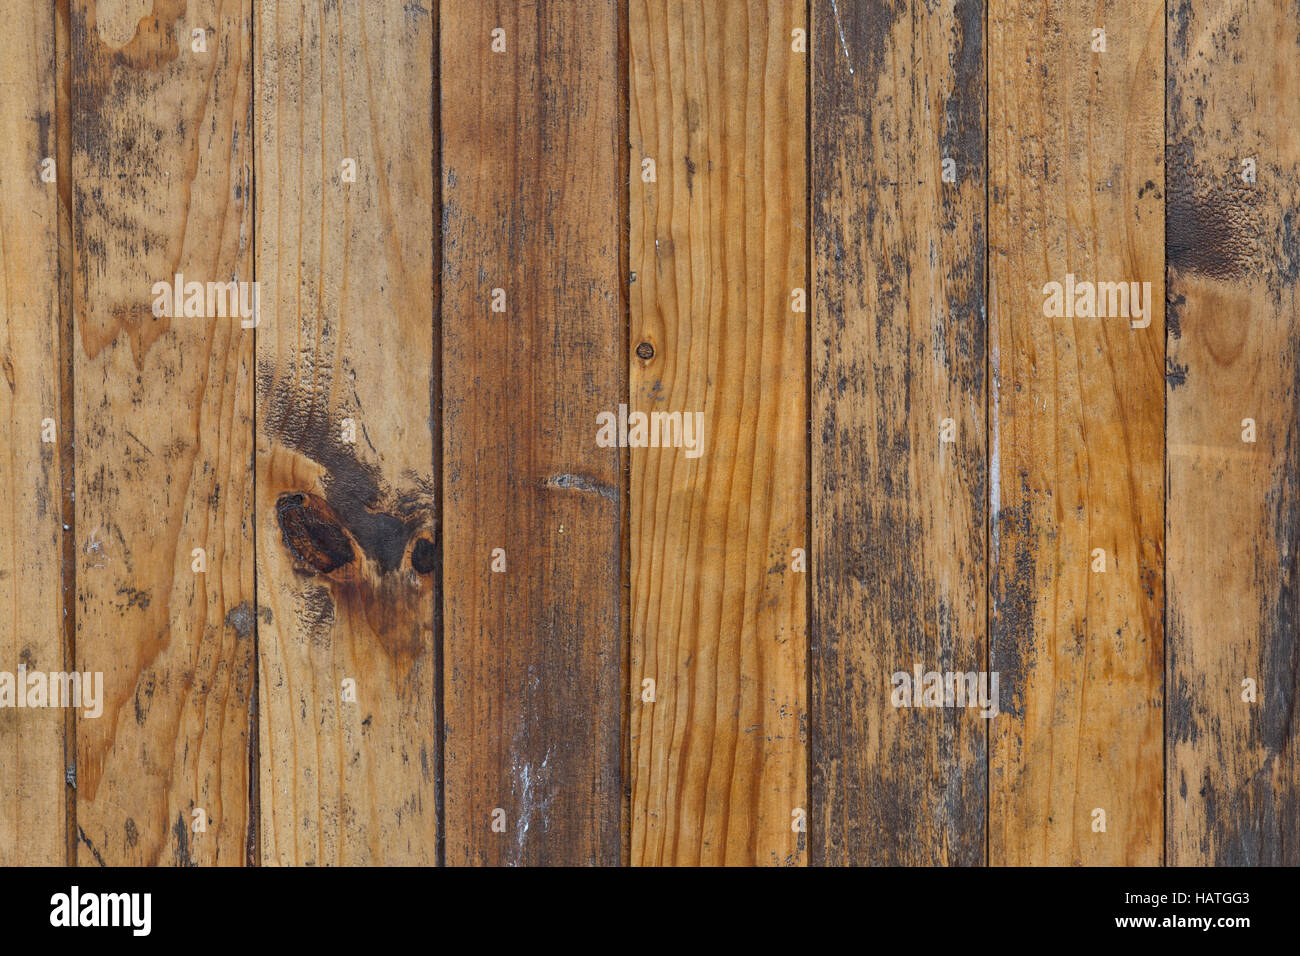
{"x": 718, "y": 246}
{"x": 162, "y": 179}
{"x": 346, "y": 524}
{"x": 898, "y": 347}
{"x": 67, "y": 405}
{"x": 1076, "y": 434}
{"x": 1234, "y": 506}
{"x": 533, "y": 687}
{"x": 32, "y": 813}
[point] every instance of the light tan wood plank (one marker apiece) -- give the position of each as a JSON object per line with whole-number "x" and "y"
{"x": 346, "y": 495}
{"x": 1076, "y": 433}
{"x": 162, "y": 179}
{"x": 719, "y": 615}
{"x": 32, "y": 763}
{"x": 1234, "y": 505}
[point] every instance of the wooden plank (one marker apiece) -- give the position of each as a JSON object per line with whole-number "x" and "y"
{"x": 1076, "y": 142}
{"x": 162, "y": 179}
{"x": 718, "y": 244}
{"x": 898, "y": 512}
{"x": 32, "y": 818}
{"x": 1234, "y": 505}
{"x": 67, "y": 406}
{"x": 346, "y": 494}
{"x": 533, "y": 686}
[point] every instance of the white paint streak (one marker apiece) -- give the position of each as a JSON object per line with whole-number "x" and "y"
{"x": 95, "y": 547}
{"x": 530, "y": 781}
{"x": 995, "y": 462}
{"x": 840, "y": 30}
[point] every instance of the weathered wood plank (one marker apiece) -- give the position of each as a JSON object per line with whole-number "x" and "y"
{"x": 1234, "y": 505}
{"x": 162, "y": 178}
{"x": 898, "y": 366}
{"x": 346, "y": 493}
{"x": 1076, "y": 140}
{"x": 718, "y": 247}
{"x": 32, "y": 814}
{"x": 533, "y": 687}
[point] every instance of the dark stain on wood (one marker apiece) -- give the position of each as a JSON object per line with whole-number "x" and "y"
{"x": 1211, "y": 215}
{"x": 243, "y": 618}
{"x": 181, "y": 848}
{"x": 90, "y": 846}
{"x": 353, "y": 490}
{"x": 104, "y": 83}
{"x": 424, "y": 556}
{"x": 312, "y": 532}
{"x": 962, "y": 135}
{"x": 357, "y": 533}
{"x": 1011, "y": 626}
{"x": 1175, "y": 374}
{"x": 315, "y": 612}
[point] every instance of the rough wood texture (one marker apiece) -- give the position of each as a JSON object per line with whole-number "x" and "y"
{"x": 533, "y": 662}
{"x": 898, "y": 346}
{"x": 346, "y": 523}
{"x": 32, "y": 817}
{"x": 718, "y": 244}
{"x": 162, "y": 179}
{"x": 1234, "y": 507}
{"x": 1076, "y": 433}
{"x": 459, "y": 185}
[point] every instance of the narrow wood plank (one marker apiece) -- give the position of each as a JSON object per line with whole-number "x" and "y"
{"x": 32, "y": 814}
{"x": 533, "y": 688}
{"x": 1234, "y": 505}
{"x": 346, "y": 494}
{"x": 1076, "y": 143}
{"x": 898, "y": 512}
{"x": 718, "y": 245}
{"x": 162, "y": 180}
{"x": 67, "y": 406}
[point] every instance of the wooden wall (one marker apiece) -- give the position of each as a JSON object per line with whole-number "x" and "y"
{"x": 638, "y": 397}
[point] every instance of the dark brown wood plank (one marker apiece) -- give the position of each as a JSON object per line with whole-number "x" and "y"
{"x": 533, "y": 686}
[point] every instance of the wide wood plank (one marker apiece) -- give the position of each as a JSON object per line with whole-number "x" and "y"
{"x": 347, "y": 499}
{"x": 162, "y": 178}
{"x": 1234, "y": 504}
{"x": 533, "y": 685}
{"x": 899, "y": 484}
{"x": 32, "y": 762}
{"x": 1076, "y": 144}
{"x": 718, "y": 250}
